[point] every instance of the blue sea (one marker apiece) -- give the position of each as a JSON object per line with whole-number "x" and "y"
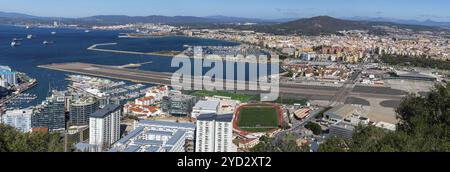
{"x": 70, "y": 45}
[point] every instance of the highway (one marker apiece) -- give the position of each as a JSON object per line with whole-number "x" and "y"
{"x": 162, "y": 78}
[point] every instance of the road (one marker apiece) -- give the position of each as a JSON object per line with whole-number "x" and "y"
{"x": 297, "y": 125}
{"x": 346, "y": 90}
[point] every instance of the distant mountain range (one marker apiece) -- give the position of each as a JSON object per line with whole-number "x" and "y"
{"x": 121, "y": 19}
{"x": 308, "y": 26}
{"x": 124, "y": 19}
{"x": 15, "y": 15}
{"x": 400, "y": 21}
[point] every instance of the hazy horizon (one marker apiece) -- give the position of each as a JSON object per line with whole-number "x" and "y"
{"x": 435, "y": 10}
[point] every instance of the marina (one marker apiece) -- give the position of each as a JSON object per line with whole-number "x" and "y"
{"x": 18, "y": 98}
{"x": 105, "y": 89}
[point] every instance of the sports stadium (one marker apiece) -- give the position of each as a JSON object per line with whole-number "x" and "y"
{"x": 257, "y": 118}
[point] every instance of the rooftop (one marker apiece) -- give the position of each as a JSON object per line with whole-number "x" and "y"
{"x": 215, "y": 117}
{"x": 168, "y": 124}
{"x": 344, "y": 125}
{"x": 18, "y": 112}
{"x": 139, "y": 140}
{"x": 341, "y": 111}
{"x": 414, "y": 74}
{"x": 83, "y": 101}
{"x": 101, "y": 113}
{"x": 207, "y": 104}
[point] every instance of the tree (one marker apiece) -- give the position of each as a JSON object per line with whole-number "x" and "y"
{"x": 314, "y": 127}
{"x": 334, "y": 144}
{"x": 12, "y": 140}
{"x": 321, "y": 113}
{"x": 287, "y": 143}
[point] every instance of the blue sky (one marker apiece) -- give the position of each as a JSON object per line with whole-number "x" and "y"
{"x": 400, "y": 9}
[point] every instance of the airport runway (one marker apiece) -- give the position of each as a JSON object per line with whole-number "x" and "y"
{"x": 161, "y": 78}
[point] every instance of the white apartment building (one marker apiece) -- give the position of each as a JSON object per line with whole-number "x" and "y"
{"x": 104, "y": 127}
{"x": 20, "y": 119}
{"x": 214, "y": 133}
{"x": 223, "y": 135}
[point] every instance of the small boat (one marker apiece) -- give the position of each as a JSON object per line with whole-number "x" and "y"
{"x": 29, "y": 36}
{"x": 16, "y": 39}
{"x": 15, "y": 44}
{"x": 47, "y": 42}
{"x": 27, "y": 27}
{"x": 87, "y": 31}
{"x": 53, "y": 33}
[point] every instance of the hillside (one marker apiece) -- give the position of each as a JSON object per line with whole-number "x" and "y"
{"x": 329, "y": 25}
{"x": 15, "y": 15}
{"x": 320, "y": 24}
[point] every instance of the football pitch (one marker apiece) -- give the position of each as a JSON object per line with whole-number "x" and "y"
{"x": 258, "y": 118}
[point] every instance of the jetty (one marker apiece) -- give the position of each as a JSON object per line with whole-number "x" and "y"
{"x": 160, "y": 53}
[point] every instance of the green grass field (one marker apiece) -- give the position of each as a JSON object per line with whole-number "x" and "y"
{"x": 258, "y": 119}
{"x": 234, "y": 96}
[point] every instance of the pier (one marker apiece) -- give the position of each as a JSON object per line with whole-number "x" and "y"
{"x": 161, "y": 53}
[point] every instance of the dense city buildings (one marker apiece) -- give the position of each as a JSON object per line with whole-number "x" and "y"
{"x": 149, "y": 105}
{"x": 104, "y": 127}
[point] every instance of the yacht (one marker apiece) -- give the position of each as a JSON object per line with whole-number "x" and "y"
{"x": 15, "y": 43}
{"x": 29, "y": 36}
{"x": 47, "y": 42}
